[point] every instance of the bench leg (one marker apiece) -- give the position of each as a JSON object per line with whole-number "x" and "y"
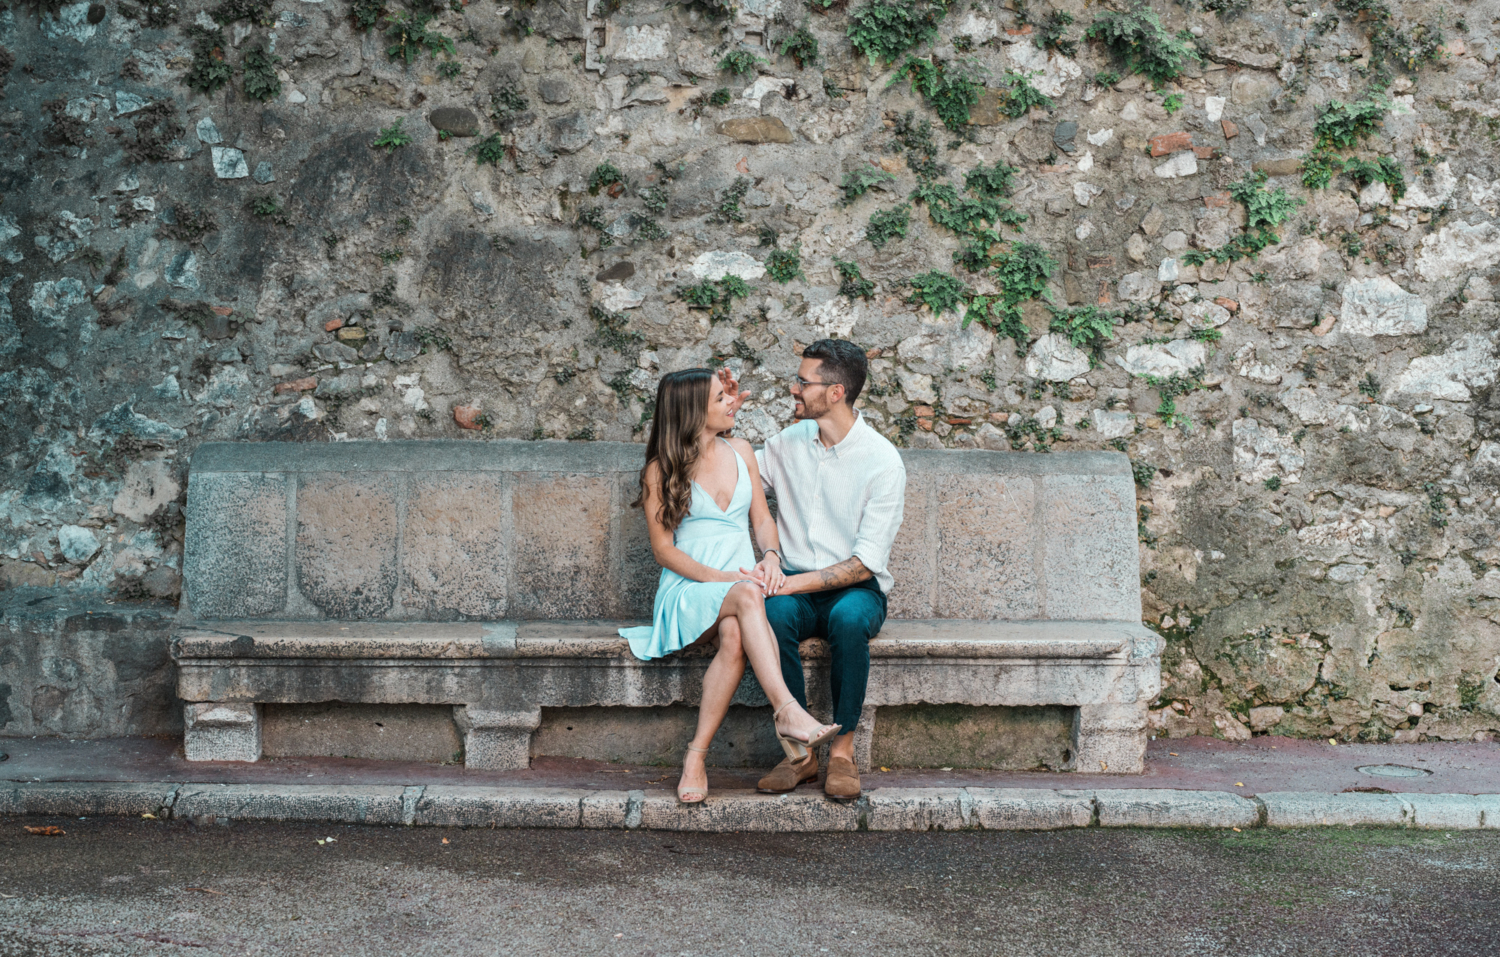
{"x": 497, "y": 740}
{"x": 222, "y": 732}
{"x": 1110, "y": 738}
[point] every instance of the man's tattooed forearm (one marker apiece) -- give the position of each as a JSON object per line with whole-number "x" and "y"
{"x": 845, "y": 573}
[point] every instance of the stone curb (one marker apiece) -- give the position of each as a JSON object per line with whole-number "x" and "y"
{"x": 883, "y": 809}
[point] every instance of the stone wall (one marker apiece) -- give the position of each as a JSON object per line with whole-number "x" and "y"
{"x": 1316, "y": 430}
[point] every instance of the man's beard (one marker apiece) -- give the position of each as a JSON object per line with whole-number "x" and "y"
{"x": 811, "y": 411}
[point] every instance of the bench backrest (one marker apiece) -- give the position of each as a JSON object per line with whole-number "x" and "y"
{"x": 445, "y": 530}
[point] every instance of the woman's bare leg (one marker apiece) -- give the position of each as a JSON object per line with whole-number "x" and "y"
{"x": 719, "y": 684}
{"x": 746, "y": 603}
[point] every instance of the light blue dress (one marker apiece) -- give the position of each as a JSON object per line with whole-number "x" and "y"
{"x": 719, "y": 538}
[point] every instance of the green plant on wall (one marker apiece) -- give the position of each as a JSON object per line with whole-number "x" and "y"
{"x": 208, "y": 71}
{"x": 784, "y": 265}
{"x": 740, "y": 62}
{"x": 261, "y": 82}
{"x": 1022, "y": 274}
{"x": 1139, "y": 41}
{"x": 951, "y": 89}
{"x": 1342, "y": 125}
{"x": 604, "y": 176}
{"x": 859, "y": 181}
{"x": 1018, "y": 96}
{"x": 490, "y": 149}
{"x": 1087, "y": 328}
{"x": 1265, "y": 211}
{"x": 1052, "y": 33}
{"x": 801, "y": 46}
{"x": 408, "y": 35}
{"x": 852, "y": 283}
{"x": 938, "y": 291}
{"x": 716, "y": 296}
{"x": 393, "y": 137}
{"x": 888, "y": 225}
{"x": 885, "y": 29}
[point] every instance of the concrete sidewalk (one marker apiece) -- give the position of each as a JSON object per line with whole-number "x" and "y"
{"x": 1198, "y": 782}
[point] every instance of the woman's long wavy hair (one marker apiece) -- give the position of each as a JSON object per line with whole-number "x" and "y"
{"x": 681, "y": 413}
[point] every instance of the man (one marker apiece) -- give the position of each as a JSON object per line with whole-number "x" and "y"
{"x": 840, "y": 488}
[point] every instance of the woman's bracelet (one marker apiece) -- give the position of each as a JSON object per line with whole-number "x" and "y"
{"x": 767, "y": 551}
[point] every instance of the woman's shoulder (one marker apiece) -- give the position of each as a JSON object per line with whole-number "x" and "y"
{"x": 743, "y": 449}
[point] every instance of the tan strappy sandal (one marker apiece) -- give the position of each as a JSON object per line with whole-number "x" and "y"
{"x": 797, "y": 750}
{"x": 693, "y": 795}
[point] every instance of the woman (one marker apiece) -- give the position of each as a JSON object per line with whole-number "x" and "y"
{"x": 697, "y": 489}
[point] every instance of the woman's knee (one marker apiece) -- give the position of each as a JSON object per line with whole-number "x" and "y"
{"x": 747, "y": 598}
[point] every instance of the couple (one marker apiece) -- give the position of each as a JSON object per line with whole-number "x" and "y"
{"x": 840, "y": 488}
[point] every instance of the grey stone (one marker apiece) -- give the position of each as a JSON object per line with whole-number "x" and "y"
{"x": 208, "y": 133}
{"x": 235, "y": 550}
{"x": 263, "y": 173}
{"x": 335, "y": 352}
{"x": 345, "y": 556}
{"x": 1063, "y": 135}
{"x": 229, "y": 163}
{"x": 1159, "y": 807}
{"x": 1054, "y": 358}
{"x": 1308, "y": 809}
{"x": 1456, "y": 812}
{"x": 1028, "y": 809}
{"x": 374, "y": 732}
{"x": 127, "y": 103}
{"x": 183, "y": 271}
{"x": 455, "y": 121}
{"x": 78, "y": 544}
{"x": 570, "y": 133}
{"x": 402, "y": 347}
{"x": 555, "y": 90}
{"x": 918, "y": 809}
{"x": 226, "y": 731}
{"x": 1379, "y": 307}
{"x": 85, "y": 799}
{"x": 320, "y": 803}
{"x": 787, "y": 813}
{"x": 464, "y": 806}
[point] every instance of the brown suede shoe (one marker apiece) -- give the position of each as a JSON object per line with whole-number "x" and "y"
{"x": 788, "y": 774}
{"x": 842, "y": 780}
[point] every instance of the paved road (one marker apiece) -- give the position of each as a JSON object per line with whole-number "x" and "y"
{"x": 141, "y": 887}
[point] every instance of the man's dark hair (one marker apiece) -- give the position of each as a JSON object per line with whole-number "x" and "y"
{"x": 843, "y": 362}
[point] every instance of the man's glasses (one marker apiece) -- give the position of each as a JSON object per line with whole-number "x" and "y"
{"x": 802, "y": 383}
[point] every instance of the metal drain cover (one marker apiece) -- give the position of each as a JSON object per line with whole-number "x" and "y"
{"x": 1393, "y": 771}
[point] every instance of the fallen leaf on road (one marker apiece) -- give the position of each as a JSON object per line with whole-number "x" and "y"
{"x": 1235, "y": 830}
{"x": 149, "y": 816}
{"x": 1332, "y": 741}
{"x": 445, "y": 840}
{"x": 1172, "y": 753}
{"x": 1239, "y": 784}
{"x": 204, "y": 890}
{"x": 885, "y": 769}
{"x": 46, "y": 830}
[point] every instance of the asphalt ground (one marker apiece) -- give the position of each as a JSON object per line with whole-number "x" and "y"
{"x": 129, "y": 887}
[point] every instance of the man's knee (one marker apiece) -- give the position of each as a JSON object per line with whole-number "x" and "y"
{"x": 857, "y": 616}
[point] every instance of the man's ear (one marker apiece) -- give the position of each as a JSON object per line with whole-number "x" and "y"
{"x": 841, "y": 393}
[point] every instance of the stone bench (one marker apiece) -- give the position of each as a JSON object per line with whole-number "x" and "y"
{"x": 491, "y": 576}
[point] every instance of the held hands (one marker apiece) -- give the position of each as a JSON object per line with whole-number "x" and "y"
{"x": 767, "y": 574}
